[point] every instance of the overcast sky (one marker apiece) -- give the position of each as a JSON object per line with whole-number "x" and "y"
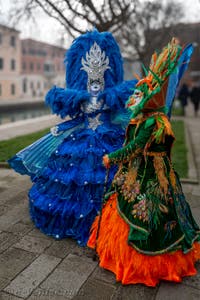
{"x": 48, "y": 30}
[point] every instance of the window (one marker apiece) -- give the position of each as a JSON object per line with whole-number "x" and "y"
{"x": 41, "y": 53}
{"x": 31, "y": 84}
{"x": 38, "y": 66}
{"x": 24, "y": 66}
{"x": 0, "y": 38}
{"x": 46, "y": 68}
{"x": 38, "y": 85}
{"x": 32, "y": 51}
{"x": 12, "y": 41}
{"x": 31, "y": 66}
{"x": 1, "y": 63}
{"x": 12, "y": 89}
{"x": 0, "y": 90}
{"x": 24, "y": 85}
{"x": 12, "y": 64}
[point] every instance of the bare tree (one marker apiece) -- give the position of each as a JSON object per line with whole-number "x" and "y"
{"x": 78, "y": 16}
{"x": 131, "y": 21}
{"x": 146, "y": 31}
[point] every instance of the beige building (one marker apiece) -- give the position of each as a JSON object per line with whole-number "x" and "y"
{"x": 28, "y": 68}
{"x": 42, "y": 66}
{"x": 10, "y": 63}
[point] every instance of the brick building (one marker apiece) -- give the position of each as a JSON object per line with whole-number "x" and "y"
{"x": 42, "y": 65}
{"x": 10, "y": 55}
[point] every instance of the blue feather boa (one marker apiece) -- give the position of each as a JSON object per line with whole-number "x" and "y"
{"x": 66, "y": 102}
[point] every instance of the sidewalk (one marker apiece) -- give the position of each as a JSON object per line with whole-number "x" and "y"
{"x": 14, "y": 129}
{"x": 34, "y": 266}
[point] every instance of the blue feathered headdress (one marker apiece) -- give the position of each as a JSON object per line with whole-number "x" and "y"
{"x": 77, "y": 78}
{"x": 116, "y": 91}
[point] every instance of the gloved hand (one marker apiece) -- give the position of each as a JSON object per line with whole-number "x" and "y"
{"x": 55, "y": 131}
{"x": 106, "y": 161}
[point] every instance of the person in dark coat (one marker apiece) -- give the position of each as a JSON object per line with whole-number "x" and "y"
{"x": 183, "y": 96}
{"x": 195, "y": 99}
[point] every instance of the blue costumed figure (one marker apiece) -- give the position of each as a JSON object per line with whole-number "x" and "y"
{"x": 66, "y": 164}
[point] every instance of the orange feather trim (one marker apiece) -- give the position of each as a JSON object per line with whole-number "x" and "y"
{"x": 130, "y": 266}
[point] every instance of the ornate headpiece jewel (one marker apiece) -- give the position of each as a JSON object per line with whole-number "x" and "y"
{"x": 95, "y": 65}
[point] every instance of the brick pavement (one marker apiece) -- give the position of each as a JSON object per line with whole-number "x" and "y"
{"x": 34, "y": 266}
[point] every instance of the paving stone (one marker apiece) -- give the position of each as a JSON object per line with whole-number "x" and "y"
{"x": 9, "y": 176}
{"x": 5, "y": 296}
{"x": 138, "y": 292}
{"x": 7, "y": 172}
{"x": 70, "y": 275}
{"x": 21, "y": 198}
{"x": 26, "y": 219}
{"x": 196, "y": 214}
{"x": 33, "y": 244}
{"x": 13, "y": 261}
{"x": 7, "y": 239}
{"x": 103, "y": 275}
{"x": 193, "y": 281}
{"x": 194, "y": 201}
{"x": 3, "y": 209}
{"x": 12, "y": 216}
{"x": 83, "y": 251}
{"x": 37, "y": 233}
{"x": 95, "y": 289}
{"x": 47, "y": 295}
{"x": 20, "y": 228}
{"x": 3, "y": 282}
{"x": 175, "y": 291}
{"x": 32, "y": 276}
{"x": 196, "y": 191}
{"x": 19, "y": 190}
{"x": 61, "y": 248}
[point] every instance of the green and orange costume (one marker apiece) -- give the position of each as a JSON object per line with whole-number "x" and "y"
{"x": 146, "y": 231}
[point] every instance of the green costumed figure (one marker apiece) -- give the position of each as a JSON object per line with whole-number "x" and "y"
{"x": 146, "y": 231}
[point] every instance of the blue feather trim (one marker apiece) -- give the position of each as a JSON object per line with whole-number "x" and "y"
{"x": 65, "y": 102}
{"x": 117, "y": 96}
{"x": 176, "y": 76}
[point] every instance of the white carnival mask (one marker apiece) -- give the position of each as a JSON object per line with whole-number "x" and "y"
{"x": 135, "y": 99}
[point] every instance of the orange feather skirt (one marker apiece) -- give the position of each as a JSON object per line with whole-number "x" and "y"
{"x": 130, "y": 266}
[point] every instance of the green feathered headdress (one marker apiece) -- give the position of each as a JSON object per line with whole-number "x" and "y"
{"x": 154, "y": 86}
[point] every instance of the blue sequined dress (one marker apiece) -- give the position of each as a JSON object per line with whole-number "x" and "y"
{"x": 67, "y": 170}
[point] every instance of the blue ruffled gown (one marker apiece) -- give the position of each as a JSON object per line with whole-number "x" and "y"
{"x": 67, "y": 170}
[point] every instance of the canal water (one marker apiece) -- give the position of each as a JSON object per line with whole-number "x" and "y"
{"x": 22, "y": 111}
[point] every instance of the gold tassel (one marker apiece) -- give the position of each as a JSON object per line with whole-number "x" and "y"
{"x": 172, "y": 178}
{"x": 160, "y": 172}
{"x": 131, "y": 178}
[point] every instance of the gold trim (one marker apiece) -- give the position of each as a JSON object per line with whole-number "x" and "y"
{"x": 158, "y": 252}
{"x": 128, "y": 222}
{"x": 151, "y": 153}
